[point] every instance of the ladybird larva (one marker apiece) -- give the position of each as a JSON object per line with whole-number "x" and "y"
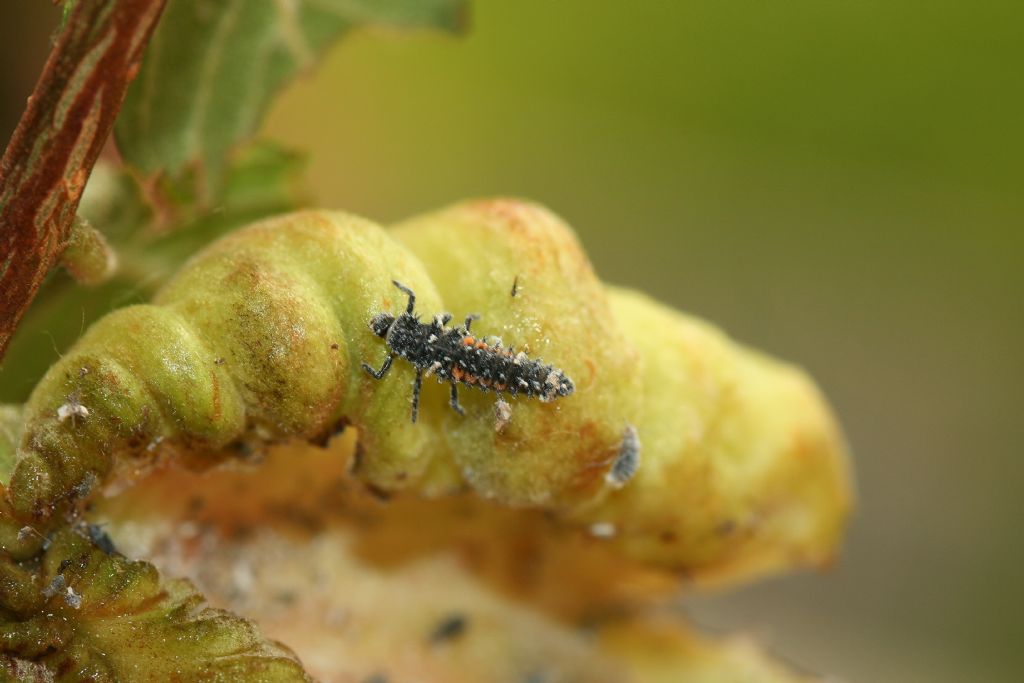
{"x": 453, "y": 355}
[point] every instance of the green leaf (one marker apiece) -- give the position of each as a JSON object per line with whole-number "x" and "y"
{"x": 108, "y": 618}
{"x": 213, "y": 65}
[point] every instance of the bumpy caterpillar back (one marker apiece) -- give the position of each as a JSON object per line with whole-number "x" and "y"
{"x": 262, "y": 337}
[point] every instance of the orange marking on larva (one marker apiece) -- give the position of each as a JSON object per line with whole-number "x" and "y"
{"x": 469, "y": 379}
{"x": 481, "y": 345}
{"x": 468, "y": 341}
{"x": 457, "y": 373}
{"x": 500, "y": 386}
{"x": 484, "y": 382}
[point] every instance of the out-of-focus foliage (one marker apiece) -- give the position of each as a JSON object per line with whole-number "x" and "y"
{"x": 212, "y": 67}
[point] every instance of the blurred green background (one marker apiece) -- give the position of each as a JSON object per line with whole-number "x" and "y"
{"x": 838, "y": 183}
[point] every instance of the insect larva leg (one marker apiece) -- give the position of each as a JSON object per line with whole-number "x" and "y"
{"x": 379, "y": 374}
{"x": 406, "y": 290}
{"x": 470, "y": 318}
{"x": 444, "y": 319}
{"x": 417, "y": 384}
{"x": 455, "y": 400}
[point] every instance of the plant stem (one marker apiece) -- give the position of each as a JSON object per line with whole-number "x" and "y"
{"x": 58, "y": 139}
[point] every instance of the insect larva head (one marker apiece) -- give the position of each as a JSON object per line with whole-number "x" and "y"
{"x": 381, "y": 323}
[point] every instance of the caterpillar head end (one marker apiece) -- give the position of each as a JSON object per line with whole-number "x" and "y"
{"x": 381, "y": 323}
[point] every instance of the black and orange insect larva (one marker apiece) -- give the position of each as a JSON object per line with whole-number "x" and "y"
{"x": 453, "y": 355}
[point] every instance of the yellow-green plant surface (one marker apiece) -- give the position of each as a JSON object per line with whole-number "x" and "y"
{"x": 260, "y": 339}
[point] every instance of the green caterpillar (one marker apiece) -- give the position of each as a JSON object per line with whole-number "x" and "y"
{"x": 738, "y": 464}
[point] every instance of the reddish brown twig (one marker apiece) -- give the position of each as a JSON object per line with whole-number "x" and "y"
{"x": 60, "y": 135}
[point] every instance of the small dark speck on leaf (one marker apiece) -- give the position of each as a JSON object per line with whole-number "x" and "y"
{"x": 449, "y": 628}
{"x": 218, "y": 361}
{"x": 377, "y": 678}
